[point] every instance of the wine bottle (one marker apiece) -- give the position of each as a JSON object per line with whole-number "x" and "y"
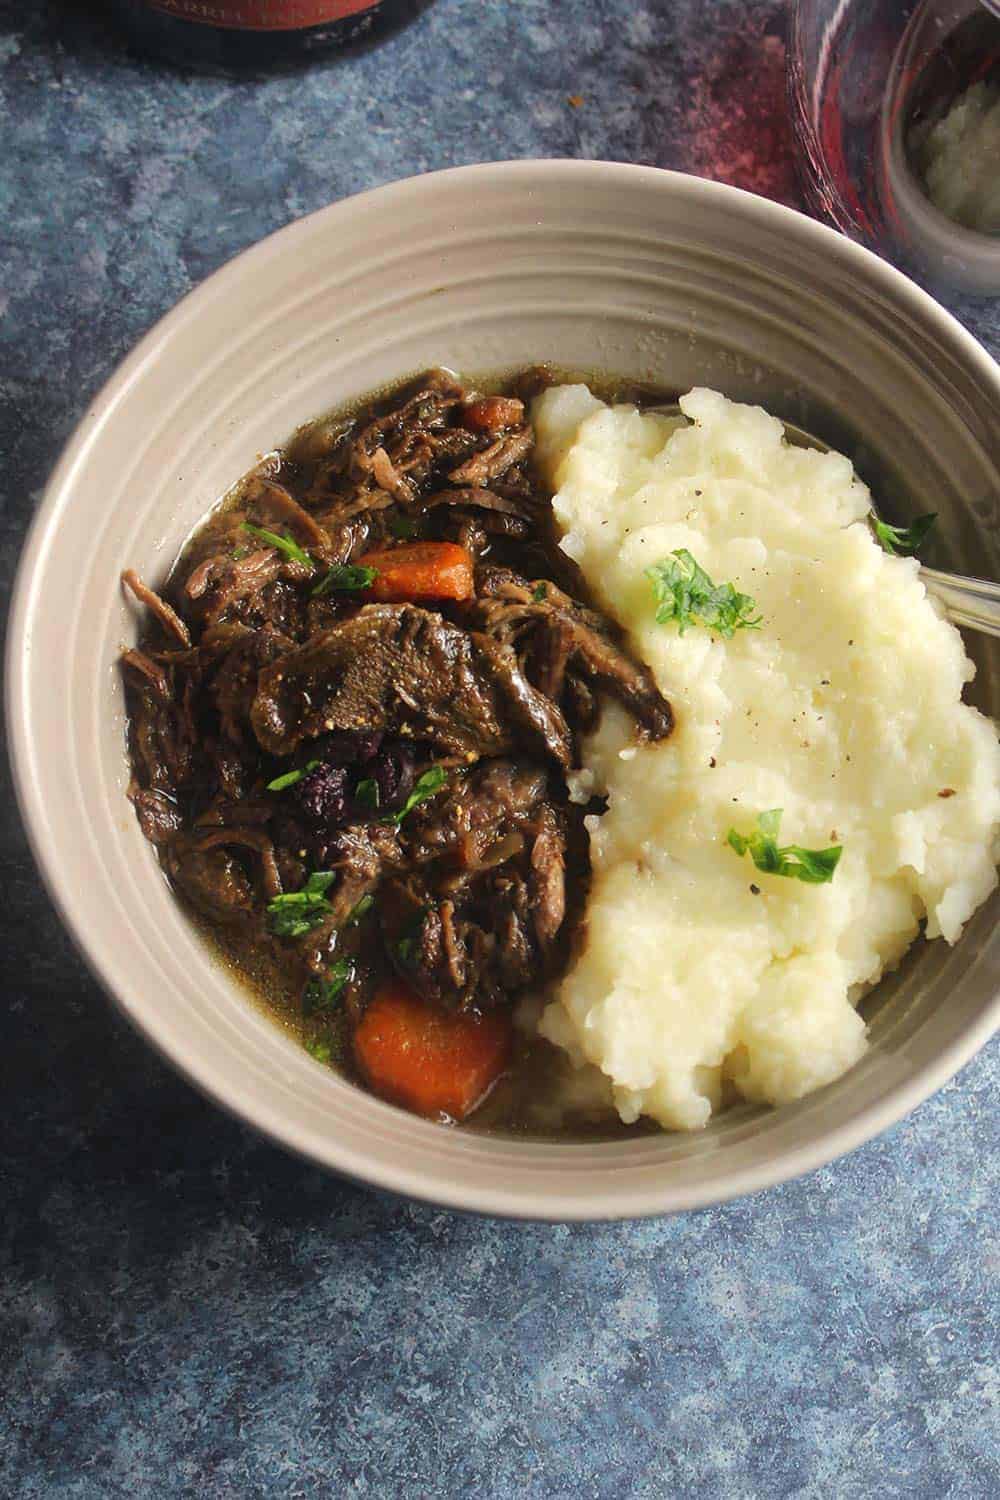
{"x": 258, "y": 35}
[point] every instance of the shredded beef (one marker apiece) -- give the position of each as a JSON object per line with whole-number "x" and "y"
{"x": 411, "y": 756}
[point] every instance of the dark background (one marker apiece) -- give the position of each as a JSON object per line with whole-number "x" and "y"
{"x": 185, "y": 1310}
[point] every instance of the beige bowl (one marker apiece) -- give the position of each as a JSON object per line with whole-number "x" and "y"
{"x": 596, "y": 266}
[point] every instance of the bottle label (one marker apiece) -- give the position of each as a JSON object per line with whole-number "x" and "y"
{"x": 262, "y": 15}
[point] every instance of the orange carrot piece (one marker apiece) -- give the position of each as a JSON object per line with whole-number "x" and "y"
{"x": 420, "y": 570}
{"x": 493, "y": 413}
{"x": 431, "y": 1061}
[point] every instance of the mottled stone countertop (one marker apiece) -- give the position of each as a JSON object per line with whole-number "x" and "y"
{"x": 186, "y": 1310}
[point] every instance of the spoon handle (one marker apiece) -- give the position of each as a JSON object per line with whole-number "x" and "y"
{"x": 973, "y": 603}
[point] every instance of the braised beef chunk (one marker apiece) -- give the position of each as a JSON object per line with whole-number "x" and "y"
{"x": 234, "y": 684}
{"x": 528, "y": 711}
{"x": 474, "y": 949}
{"x": 167, "y": 617}
{"x": 359, "y": 856}
{"x": 494, "y": 462}
{"x": 366, "y": 794}
{"x": 411, "y": 673}
{"x": 468, "y": 496}
{"x": 555, "y": 633}
{"x": 478, "y": 815}
{"x": 162, "y": 750}
{"x": 212, "y": 880}
{"x": 491, "y": 889}
{"x": 147, "y": 675}
{"x": 392, "y": 667}
{"x": 548, "y": 879}
{"x": 159, "y": 817}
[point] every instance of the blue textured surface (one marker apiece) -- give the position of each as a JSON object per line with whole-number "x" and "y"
{"x": 185, "y": 1310}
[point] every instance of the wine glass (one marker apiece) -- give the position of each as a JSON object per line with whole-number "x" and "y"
{"x": 881, "y": 92}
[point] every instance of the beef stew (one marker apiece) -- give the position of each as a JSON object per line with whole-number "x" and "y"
{"x": 352, "y": 715}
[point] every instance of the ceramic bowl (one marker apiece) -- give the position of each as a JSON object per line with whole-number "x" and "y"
{"x": 618, "y": 269}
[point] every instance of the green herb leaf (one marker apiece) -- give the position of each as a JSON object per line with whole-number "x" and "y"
{"x": 685, "y": 593}
{"x": 427, "y": 785}
{"x": 408, "y": 942}
{"x": 814, "y": 866}
{"x": 345, "y": 578}
{"x": 290, "y": 778}
{"x": 403, "y": 526}
{"x": 321, "y": 1051}
{"x": 902, "y": 540}
{"x": 361, "y": 909}
{"x": 321, "y": 995}
{"x": 366, "y": 792}
{"x": 539, "y": 593}
{"x": 286, "y": 544}
{"x": 298, "y": 912}
{"x": 292, "y": 924}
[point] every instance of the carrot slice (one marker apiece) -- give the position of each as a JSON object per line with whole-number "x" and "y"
{"x": 493, "y": 413}
{"x": 420, "y": 570}
{"x": 431, "y": 1061}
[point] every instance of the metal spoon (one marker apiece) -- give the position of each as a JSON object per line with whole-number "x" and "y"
{"x": 973, "y": 603}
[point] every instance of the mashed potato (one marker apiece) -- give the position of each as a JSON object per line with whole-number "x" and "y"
{"x": 843, "y": 709}
{"x": 959, "y": 158}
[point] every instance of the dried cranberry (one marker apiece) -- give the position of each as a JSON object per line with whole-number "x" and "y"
{"x": 392, "y": 772}
{"x": 322, "y": 795}
{"x": 347, "y": 747}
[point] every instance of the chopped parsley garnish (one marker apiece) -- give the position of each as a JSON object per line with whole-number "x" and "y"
{"x": 539, "y": 593}
{"x": 427, "y": 785}
{"x": 345, "y": 578}
{"x": 814, "y": 866}
{"x": 407, "y": 943}
{"x": 321, "y": 1051}
{"x": 321, "y": 995}
{"x": 366, "y": 792}
{"x": 685, "y": 593}
{"x": 290, "y": 778}
{"x": 362, "y": 908}
{"x": 299, "y": 912}
{"x": 903, "y": 540}
{"x": 286, "y": 544}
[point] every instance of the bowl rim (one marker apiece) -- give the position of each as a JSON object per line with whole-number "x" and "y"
{"x": 508, "y": 1200}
